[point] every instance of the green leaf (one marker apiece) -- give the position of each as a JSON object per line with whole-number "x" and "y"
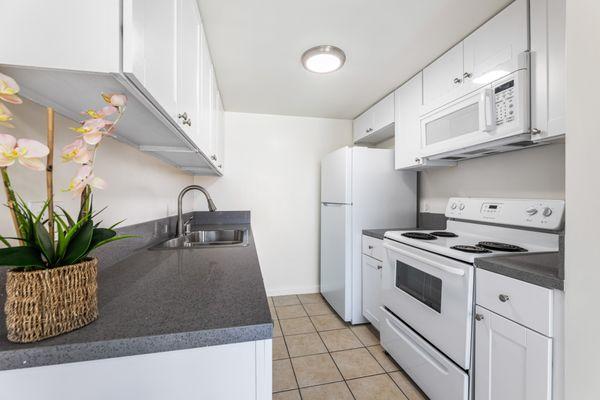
{"x": 101, "y": 234}
{"x": 44, "y": 242}
{"x": 113, "y": 226}
{"x": 67, "y": 216}
{"x": 20, "y": 256}
{"x": 114, "y": 239}
{"x": 79, "y": 246}
{"x": 4, "y": 241}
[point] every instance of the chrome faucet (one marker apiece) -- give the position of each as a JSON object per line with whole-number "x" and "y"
{"x": 211, "y": 205}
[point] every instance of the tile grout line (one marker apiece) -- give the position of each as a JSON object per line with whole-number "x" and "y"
{"x": 328, "y": 352}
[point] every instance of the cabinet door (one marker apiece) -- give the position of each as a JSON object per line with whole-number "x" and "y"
{"x": 442, "y": 79}
{"x": 205, "y": 98}
{"x": 189, "y": 69}
{"x": 408, "y": 128}
{"x": 216, "y": 127}
{"x": 220, "y": 133}
{"x": 371, "y": 287}
{"x": 363, "y": 125}
{"x": 511, "y": 361}
{"x": 494, "y": 50}
{"x": 548, "y": 68}
{"x": 383, "y": 113}
{"x": 150, "y": 49}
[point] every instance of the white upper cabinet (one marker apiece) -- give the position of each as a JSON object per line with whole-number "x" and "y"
{"x": 491, "y": 52}
{"x": 153, "y": 51}
{"x": 511, "y": 361}
{"x": 408, "y": 99}
{"x": 188, "y": 77}
{"x": 376, "y": 124}
{"x": 150, "y": 52}
{"x": 495, "y": 49}
{"x": 442, "y": 79}
{"x": 548, "y": 69}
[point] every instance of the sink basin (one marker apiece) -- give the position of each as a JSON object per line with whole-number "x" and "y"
{"x": 207, "y": 238}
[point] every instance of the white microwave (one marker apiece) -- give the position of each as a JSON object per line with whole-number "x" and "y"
{"x": 492, "y": 119}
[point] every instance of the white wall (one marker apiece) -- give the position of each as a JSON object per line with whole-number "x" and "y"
{"x": 530, "y": 173}
{"x": 582, "y": 268}
{"x": 272, "y": 168}
{"x": 140, "y": 187}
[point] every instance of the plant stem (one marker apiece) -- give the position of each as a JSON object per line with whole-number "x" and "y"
{"x": 11, "y": 201}
{"x": 49, "y": 178}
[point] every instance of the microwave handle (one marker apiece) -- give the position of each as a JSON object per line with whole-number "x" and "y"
{"x": 445, "y": 268}
{"x": 486, "y": 111}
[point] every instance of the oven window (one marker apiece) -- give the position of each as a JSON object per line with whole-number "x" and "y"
{"x": 420, "y": 285}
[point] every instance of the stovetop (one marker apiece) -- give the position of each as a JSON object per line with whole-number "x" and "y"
{"x": 467, "y": 241}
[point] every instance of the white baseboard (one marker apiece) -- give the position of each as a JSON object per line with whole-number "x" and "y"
{"x": 294, "y": 290}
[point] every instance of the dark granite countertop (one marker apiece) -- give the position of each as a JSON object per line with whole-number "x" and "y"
{"x": 378, "y": 233}
{"x": 162, "y": 300}
{"x": 542, "y": 269}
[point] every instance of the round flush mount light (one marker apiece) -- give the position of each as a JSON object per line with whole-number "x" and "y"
{"x": 323, "y": 59}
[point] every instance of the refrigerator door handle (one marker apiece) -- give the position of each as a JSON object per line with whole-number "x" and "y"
{"x": 327, "y": 204}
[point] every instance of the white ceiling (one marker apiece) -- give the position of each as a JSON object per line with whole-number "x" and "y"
{"x": 256, "y": 47}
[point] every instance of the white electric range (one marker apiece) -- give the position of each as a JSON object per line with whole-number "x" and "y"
{"x": 428, "y": 284}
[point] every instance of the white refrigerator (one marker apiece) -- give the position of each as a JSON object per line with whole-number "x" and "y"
{"x": 359, "y": 190}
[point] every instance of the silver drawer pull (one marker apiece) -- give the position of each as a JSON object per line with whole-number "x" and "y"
{"x": 503, "y": 298}
{"x": 479, "y": 317}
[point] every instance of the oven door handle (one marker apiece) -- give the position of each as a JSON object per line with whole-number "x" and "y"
{"x": 445, "y": 268}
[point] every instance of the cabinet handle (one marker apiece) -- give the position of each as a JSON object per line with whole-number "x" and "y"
{"x": 479, "y": 317}
{"x": 503, "y": 298}
{"x": 213, "y": 157}
{"x": 379, "y": 266}
{"x": 536, "y": 131}
{"x": 220, "y": 166}
{"x": 183, "y": 116}
{"x": 457, "y": 80}
{"x": 467, "y": 75}
{"x": 188, "y": 122}
{"x": 417, "y": 160}
{"x": 370, "y": 247}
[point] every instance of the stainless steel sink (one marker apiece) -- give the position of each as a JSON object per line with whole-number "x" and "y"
{"x": 207, "y": 238}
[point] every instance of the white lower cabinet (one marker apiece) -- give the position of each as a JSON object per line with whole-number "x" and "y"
{"x": 241, "y": 371}
{"x": 371, "y": 281}
{"x": 511, "y": 361}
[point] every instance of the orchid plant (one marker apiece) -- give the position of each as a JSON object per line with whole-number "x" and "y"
{"x": 76, "y": 237}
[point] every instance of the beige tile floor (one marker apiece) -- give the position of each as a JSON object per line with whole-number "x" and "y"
{"x": 317, "y": 356}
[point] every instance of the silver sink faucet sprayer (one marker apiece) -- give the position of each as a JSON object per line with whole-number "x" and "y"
{"x": 211, "y": 205}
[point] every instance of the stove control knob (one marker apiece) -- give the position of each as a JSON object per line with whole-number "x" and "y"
{"x": 462, "y": 206}
{"x": 547, "y": 212}
{"x": 453, "y": 206}
{"x": 531, "y": 211}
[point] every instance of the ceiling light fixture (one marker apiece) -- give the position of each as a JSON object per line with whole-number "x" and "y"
{"x": 323, "y": 59}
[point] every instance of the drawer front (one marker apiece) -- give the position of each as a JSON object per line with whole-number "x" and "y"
{"x": 433, "y": 372}
{"x": 372, "y": 247}
{"x": 521, "y": 302}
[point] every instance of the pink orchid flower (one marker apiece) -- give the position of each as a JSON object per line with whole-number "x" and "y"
{"x": 85, "y": 176}
{"x": 104, "y": 112}
{"x": 93, "y": 129}
{"x": 5, "y": 116}
{"x": 28, "y": 152}
{"x": 77, "y": 152}
{"x": 115, "y": 99}
{"x": 9, "y": 89}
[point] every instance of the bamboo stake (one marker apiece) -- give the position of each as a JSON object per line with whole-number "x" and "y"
{"x": 49, "y": 178}
{"x": 10, "y": 202}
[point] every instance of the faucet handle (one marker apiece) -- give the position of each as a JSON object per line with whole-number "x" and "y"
{"x": 187, "y": 228}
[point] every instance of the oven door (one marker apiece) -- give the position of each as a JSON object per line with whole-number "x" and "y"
{"x": 433, "y": 295}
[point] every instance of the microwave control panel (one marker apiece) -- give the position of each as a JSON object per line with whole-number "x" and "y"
{"x": 505, "y": 102}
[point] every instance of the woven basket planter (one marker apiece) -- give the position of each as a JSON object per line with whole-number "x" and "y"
{"x": 45, "y": 303}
